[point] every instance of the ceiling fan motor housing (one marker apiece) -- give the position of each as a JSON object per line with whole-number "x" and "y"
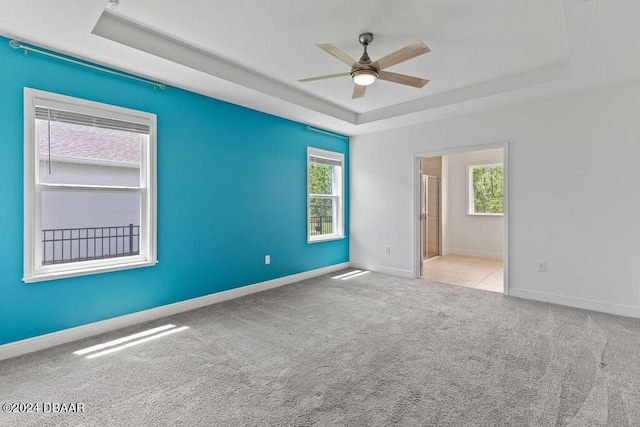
{"x": 364, "y": 76}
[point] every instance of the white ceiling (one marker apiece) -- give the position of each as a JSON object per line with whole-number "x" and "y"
{"x": 484, "y": 54}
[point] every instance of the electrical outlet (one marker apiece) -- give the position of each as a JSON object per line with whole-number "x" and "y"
{"x": 267, "y": 259}
{"x": 542, "y": 266}
{"x": 388, "y": 250}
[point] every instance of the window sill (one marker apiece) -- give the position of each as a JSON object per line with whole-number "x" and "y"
{"x": 41, "y": 277}
{"x": 485, "y": 214}
{"x": 325, "y": 239}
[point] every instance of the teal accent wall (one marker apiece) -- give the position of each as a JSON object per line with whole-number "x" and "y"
{"x": 231, "y": 189}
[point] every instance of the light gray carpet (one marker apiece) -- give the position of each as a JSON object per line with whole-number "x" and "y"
{"x": 373, "y": 350}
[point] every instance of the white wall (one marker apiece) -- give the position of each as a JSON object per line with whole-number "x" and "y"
{"x": 476, "y": 235}
{"x": 574, "y": 196}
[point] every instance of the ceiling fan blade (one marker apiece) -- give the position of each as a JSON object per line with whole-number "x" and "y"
{"x": 358, "y": 91}
{"x": 332, "y": 50}
{"x": 328, "y": 76}
{"x": 401, "y": 55}
{"x": 403, "y": 79}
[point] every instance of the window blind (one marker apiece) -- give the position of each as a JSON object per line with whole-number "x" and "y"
{"x": 324, "y": 161}
{"x": 55, "y": 115}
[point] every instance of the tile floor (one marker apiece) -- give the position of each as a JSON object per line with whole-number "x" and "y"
{"x": 470, "y": 271}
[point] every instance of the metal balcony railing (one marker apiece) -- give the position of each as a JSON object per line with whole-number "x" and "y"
{"x": 319, "y": 225}
{"x": 63, "y": 245}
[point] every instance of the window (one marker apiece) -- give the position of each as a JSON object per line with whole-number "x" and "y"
{"x": 486, "y": 190}
{"x": 90, "y": 187}
{"x": 325, "y": 188}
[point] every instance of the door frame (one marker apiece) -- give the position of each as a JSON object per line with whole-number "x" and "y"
{"x": 417, "y": 184}
{"x": 424, "y": 216}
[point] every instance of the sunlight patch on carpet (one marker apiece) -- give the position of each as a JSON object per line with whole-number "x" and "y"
{"x": 140, "y": 337}
{"x": 350, "y": 274}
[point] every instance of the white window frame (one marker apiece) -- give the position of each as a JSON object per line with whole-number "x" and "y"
{"x": 337, "y": 194}
{"x": 34, "y": 271}
{"x": 470, "y": 195}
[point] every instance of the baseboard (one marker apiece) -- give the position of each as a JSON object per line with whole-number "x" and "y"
{"x": 407, "y": 274}
{"x": 41, "y": 342}
{"x": 619, "y": 310}
{"x": 470, "y": 252}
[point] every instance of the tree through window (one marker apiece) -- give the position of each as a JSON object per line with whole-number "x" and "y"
{"x": 486, "y": 189}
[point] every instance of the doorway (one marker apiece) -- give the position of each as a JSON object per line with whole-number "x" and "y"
{"x": 462, "y": 217}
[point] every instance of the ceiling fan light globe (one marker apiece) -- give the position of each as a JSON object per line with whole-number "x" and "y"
{"x": 364, "y": 77}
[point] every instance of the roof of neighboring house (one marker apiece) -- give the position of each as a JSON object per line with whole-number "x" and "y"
{"x": 88, "y": 143}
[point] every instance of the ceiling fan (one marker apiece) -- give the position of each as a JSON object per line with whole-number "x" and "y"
{"x": 364, "y": 72}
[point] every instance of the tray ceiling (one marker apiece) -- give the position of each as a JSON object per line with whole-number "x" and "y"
{"x": 483, "y": 54}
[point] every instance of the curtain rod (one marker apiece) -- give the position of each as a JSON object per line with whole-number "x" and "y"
{"x": 326, "y": 132}
{"x": 17, "y": 45}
